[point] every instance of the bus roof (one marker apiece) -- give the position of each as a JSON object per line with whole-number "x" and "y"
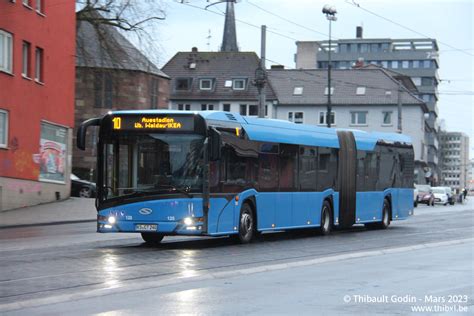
{"x": 280, "y": 131}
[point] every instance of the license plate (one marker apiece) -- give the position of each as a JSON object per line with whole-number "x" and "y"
{"x": 146, "y": 227}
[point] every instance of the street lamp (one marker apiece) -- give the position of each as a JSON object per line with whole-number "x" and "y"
{"x": 330, "y": 12}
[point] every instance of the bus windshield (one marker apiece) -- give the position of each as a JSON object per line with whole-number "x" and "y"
{"x": 151, "y": 164}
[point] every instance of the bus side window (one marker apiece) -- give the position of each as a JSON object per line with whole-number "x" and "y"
{"x": 307, "y": 169}
{"x": 361, "y": 183}
{"x": 268, "y": 167}
{"x": 288, "y": 167}
{"x": 324, "y": 176}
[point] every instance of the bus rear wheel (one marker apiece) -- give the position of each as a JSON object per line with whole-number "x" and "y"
{"x": 325, "y": 226}
{"x": 385, "y": 217}
{"x": 152, "y": 238}
{"x": 247, "y": 227}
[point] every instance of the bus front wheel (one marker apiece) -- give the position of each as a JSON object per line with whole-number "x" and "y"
{"x": 247, "y": 227}
{"x": 152, "y": 238}
{"x": 326, "y": 225}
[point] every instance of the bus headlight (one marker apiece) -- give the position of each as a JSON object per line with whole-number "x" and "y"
{"x": 111, "y": 220}
{"x": 188, "y": 221}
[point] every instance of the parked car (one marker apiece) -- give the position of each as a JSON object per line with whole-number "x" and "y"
{"x": 451, "y": 197}
{"x": 440, "y": 195}
{"x": 82, "y": 188}
{"x": 425, "y": 194}
{"x": 415, "y": 197}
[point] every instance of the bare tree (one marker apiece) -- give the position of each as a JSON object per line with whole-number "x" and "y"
{"x": 127, "y": 15}
{"x": 136, "y": 19}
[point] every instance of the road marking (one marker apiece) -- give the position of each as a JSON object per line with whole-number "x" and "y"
{"x": 123, "y": 287}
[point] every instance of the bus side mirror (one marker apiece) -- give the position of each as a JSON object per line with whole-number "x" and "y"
{"x": 215, "y": 144}
{"x": 82, "y": 130}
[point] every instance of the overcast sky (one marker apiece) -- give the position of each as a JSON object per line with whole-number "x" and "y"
{"x": 450, "y": 22}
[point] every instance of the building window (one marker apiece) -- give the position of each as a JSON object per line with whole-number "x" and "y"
{"x": 384, "y": 63}
{"x": 416, "y": 81}
{"x": 253, "y": 110}
{"x": 6, "y": 51}
{"x": 426, "y": 63}
{"x": 243, "y": 109}
{"x": 53, "y": 152}
{"x": 26, "y": 59}
{"x": 385, "y": 47}
{"x": 395, "y": 64}
{"x": 299, "y": 117}
{"x": 387, "y": 118}
{"x": 416, "y": 64}
{"x": 207, "y": 107}
{"x": 103, "y": 90}
{"x": 228, "y": 84}
{"x": 27, "y": 3}
{"x": 360, "y": 91}
{"x": 183, "y": 107}
{"x": 405, "y": 64}
{"x": 226, "y": 107}
{"x": 3, "y": 129}
{"x": 426, "y": 97}
{"x": 322, "y": 118}
{"x": 326, "y": 91}
{"x": 39, "y": 64}
{"x": 298, "y": 91}
{"x": 427, "y": 81}
{"x": 154, "y": 93}
{"x": 239, "y": 84}
{"x": 183, "y": 84}
{"x": 39, "y": 6}
{"x": 205, "y": 84}
{"x": 359, "y": 118}
{"x": 374, "y": 48}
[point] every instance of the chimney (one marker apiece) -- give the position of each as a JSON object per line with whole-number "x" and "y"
{"x": 277, "y": 67}
{"x": 194, "y": 50}
{"x": 359, "y": 32}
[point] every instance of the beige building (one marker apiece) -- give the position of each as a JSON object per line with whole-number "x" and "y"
{"x": 455, "y": 159}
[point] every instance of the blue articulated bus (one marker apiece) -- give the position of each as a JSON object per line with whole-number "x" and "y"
{"x": 217, "y": 173}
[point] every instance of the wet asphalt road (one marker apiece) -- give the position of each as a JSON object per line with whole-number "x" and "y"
{"x": 71, "y": 269}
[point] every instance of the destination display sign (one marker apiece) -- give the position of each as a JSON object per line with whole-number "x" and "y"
{"x": 153, "y": 123}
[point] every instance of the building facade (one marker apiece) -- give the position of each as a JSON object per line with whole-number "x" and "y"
{"x": 363, "y": 99}
{"x": 455, "y": 163}
{"x": 216, "y": 81}
{"x": 37, "y": 50}
{"x": 417, "y": 58}
{"x": 111, "y": 74}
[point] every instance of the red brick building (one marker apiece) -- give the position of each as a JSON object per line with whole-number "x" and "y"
{"x": 37, "y": 48}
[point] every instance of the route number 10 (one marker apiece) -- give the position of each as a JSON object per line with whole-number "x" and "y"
{"x": 117, "y": 122}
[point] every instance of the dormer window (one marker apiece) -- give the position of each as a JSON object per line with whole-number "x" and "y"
{"x": 298, "y": 91}
{"x": 205, "y": 84}
{"x": 239, "y": 84}
{"x": 360, "y": 91}
{"x": 326, "y": 91}
{"x": 183, "y": 84}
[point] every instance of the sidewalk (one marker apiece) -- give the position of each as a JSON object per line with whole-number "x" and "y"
{"x": 67, "y": 211}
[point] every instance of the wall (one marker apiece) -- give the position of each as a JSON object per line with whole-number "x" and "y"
{"x": 29, "y": 102}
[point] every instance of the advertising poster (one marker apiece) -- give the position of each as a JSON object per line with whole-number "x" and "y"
{"x": 52, "y": 157}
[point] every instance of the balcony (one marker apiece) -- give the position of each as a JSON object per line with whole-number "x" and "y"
{"x": 432, "y": 140}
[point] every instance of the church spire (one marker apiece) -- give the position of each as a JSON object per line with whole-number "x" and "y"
{"x": 229, "y": 40}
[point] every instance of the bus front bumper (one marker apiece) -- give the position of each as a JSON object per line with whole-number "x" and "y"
{"x": 165, "y": 228}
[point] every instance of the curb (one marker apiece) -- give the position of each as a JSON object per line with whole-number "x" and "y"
{"x": 48, "y": 223}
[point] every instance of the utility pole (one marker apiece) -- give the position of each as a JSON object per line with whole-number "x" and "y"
{"x": 261, "y": 77}
{"x": 330, "y": 13}
{"x": 399, "y": 110}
